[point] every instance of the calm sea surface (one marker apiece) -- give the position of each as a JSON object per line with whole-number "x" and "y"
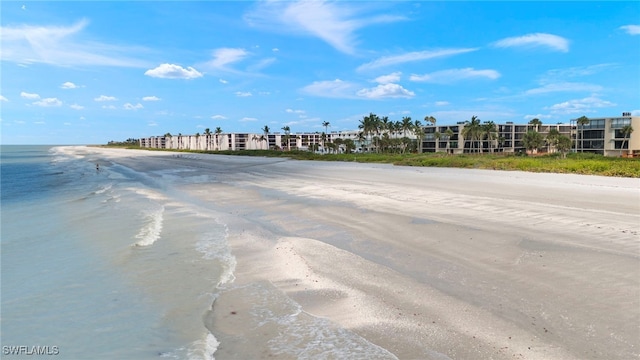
{"x": 79, "y": 274}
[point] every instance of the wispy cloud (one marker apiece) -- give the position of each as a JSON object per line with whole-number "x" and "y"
{"x": 129, "y": 106}
{"x": 2, "y": 98}
{"x": 69, "y": 85}
{"x": 555, "y": 75}
{"x": 225, "y": 56}
{"x": 412, "y": 56}
{"x": 332, "y": 89}
{"x": 76, "y": 107}
{"x": 554, "y": 42}
{"x": 441, "y": 103}
{"x": 335, "y": 23}
{"x": 243, "y": 93}
{"x": 109, "y": 107}
{"x": 150, "y": 98}
{"x": 454, "y": 75}
{"x": 218, "y": 117}
{"x": 384, "y": 91}
{"x": 585, "y": 105}
{"x": 62, "y": 46}
{"x": 48, "y": 102}
{"x": 389, "y": 78}
{"x": 172, "y": 71}
{"x": 564, "y": 86}
{"x": 31, "y": 96}
{"x": 245, "y": 119}
{"x": 105, "y": 98}
{"x": 631, "y": 29}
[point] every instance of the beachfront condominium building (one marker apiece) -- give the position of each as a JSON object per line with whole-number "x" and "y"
{"x": 607, "y": 136}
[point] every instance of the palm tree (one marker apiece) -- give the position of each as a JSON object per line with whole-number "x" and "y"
{"x": 626, "y": 131}
{"x": 369, "y": 125}
{"x": 418, "y": 132}
{"x": 266, "y": 130}
{"x": 430, "y": 119}
{"x": 448, "y": 133}
{"x": 254, "y": 138}
{"x": 218, "y": 131}
{"x": 437, "y": 136}
{"x": 263, "y": 138}
{"x": 471, "y": 131}
{"x": 536, "y": 123}
{"x": 581, "y": 122}
{"x": 338, "y": 142}
{"x": 552, "y": 139}
{"x": 489, "y": 131}
{"x": 207, "y": 133}
{"x": 287, "y": 136}
{"x": 349, "y": 145}
{"x": 407, "y": 125}
{"x": 532, "y": 140}
{"x": 563, "y": 144}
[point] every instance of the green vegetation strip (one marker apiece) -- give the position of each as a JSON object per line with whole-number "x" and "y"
{"x": 580, "y": 163}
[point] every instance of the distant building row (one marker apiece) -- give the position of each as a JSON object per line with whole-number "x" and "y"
{"x": 601, "y": 135}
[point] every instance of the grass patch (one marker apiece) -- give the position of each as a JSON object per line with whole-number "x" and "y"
{"x": 585, "y": 164}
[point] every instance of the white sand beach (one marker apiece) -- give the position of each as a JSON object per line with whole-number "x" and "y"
{"x": 375, "y": 261}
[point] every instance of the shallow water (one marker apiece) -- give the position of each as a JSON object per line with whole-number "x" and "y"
{"x": 103, "y": 264}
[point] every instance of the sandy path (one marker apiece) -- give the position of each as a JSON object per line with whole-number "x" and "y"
{"x": 433, "y": 263}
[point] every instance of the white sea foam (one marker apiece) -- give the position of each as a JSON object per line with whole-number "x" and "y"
{"x": 150, "y": 232}
{"x": 204, "y": 349}
{"x": 213, "y": 245}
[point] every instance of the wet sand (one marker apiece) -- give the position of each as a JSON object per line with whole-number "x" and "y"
{"x": 425, "y": 263}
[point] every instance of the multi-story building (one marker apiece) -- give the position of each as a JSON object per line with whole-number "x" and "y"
{"x": 606, "y": 135}
{"x": 600, "y": 135}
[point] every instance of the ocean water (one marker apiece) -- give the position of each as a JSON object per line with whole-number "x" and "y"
{"x": 102, "y": 264}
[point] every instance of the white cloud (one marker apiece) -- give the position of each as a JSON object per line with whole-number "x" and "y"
{"x": 291, "y": 111}
{"x": 635, "y": 112}
{"x": 243, "y": 94}
{"x": 150, "y": 98}
{"x": 453, "y": 75}
{"x": 48, "y": 102}
{"x": 27, "y": 95}
{"x": 69, "y": 85}
{"x": 39, "y": 122}
{"x": 105, "y": 98}
{"x": 564, "y": 86}
{"x": 386, "y": 91}
{"x": 76, "y": 107}
{"x": 152, "y": 123}
{"x": 555, "y": 42}
{"x": 225, "y": 56}
{"x": 108, "y": 107}
{"x": 223, "y": 81}
{"x": 66, "y": 124}
{"x": 261, "y": 64}
{"x": 575, "y": 106}
{"x": 244, "y": 119}
{"x": 333, "y": 22}
{"x": 556, "y": 75}
{"x": 412, "y": 56}
{"x": 172, "y": 71}
{"x": 62, "y": 46}
{"x": 390, "y": 78}
{"x": 441, "y": 103}
{"x": 2, "y": 98}
{"x": 218, "y": 117}
{"x": 275, "y": 49}
{"x": 331, "y": 89}
{"x": 631, "y": 29}
{"x": 129, "y": 106}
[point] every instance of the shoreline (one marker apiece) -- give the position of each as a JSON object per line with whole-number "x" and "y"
{"x": 422, "y": 262}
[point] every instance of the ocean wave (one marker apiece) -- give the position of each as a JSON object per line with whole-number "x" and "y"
{"x": 150, "y": 232}
{"x": 213, "y": 245}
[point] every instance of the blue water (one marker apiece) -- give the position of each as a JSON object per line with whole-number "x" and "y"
{"x": 101, "y": 264}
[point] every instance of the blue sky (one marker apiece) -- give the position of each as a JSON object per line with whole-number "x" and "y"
{"x": 89, "y": 72}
